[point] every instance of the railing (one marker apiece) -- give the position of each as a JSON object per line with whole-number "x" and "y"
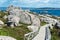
{"x": 48, "y": 34}
{"x": 31, "y": 35}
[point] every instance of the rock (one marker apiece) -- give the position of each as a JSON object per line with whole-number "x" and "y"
{"x": 35, "y": 22}
{"x": 1, "y": 22}
{"x": 49, "y": 20}
{"x": 35, "y": 19}
{"x": 10, "y": 17}
{"x": 6, "y": 38}
{"x": 14, "y": 19}
{"x": 32, "y": 28}
{"x": 57, "y": 25}
{"x": 5, "y": 17}
{"x": 12, "y": 25}
{"x": 24, "y": 18}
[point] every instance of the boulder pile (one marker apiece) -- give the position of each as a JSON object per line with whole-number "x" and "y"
{"x": 17, "y": 15}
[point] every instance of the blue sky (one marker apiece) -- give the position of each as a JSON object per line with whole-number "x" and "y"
{"x": 30, "y": 3}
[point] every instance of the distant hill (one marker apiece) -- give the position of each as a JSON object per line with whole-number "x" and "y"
{"x": 49, "y": 8}
{"x": 24, "y": 8}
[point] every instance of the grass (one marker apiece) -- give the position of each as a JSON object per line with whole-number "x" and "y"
{"x": 55, "y": 36}
{"x": 17, "y": 32}
{"x": 43, "y": 23}
{"x": 2, "y": 14}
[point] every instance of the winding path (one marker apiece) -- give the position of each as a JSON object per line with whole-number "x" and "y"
{"x": 42, "y": 33}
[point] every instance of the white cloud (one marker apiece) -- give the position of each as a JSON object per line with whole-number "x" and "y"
{"x": 2, "y": 1}
{"x": 34, "y": 1}
{"x": 30, "y": 3}
{"x": 46, "y": 1}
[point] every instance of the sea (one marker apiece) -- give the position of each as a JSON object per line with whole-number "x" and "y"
{"x": 51, "y": 11}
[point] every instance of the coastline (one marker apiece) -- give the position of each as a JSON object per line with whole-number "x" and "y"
{"x": 53, "y": 12}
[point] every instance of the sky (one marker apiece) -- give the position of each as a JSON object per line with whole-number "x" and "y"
{"x": 31, "y": 3}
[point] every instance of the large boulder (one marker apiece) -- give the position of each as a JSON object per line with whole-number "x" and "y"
{"x": 24, "y": 18}
{"x": 5, "y": 17}
{"x": 57, "y": 25}
{"x": 32, "y": 28}
{"x": 14, "y": 19}
{"x": 34, "y": 19}
{"x": 1, "y": 22}
{"x": 35, "y": 22}
{"x": 6, "y": 38}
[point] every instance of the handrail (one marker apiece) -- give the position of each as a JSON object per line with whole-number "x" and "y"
{"x": 31, "y": 35}
{"x": 48, "y": 35}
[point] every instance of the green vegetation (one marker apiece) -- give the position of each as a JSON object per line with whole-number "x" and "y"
{"x": 59, "y": 19}
{"x": 43, "y": 23}
{"x": 31, "y": 12}
{"x": 17, "y": 32}
{"x": 2, "y": 14}
{"x": 55, "y": 35}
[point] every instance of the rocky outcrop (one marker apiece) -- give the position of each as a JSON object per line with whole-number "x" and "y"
{"x": 25, "y": 17}
{"x": 35, "y": 20}
{"x": 14, "y": 19}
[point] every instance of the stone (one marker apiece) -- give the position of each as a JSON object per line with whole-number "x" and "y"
{"x": 1, "y": 22}
{"x": 12, "y": 25}
{"x": 32, "y": 28}
{"x": 35, "y": 22}
{"x": 5, "y": 17}
{"x": 57, "y": 25}
{"x": 14, "y": 19}
{"x": 24, "y": 18}
{"x": 6, "y": 38}
{"x": 34, "y": 19}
